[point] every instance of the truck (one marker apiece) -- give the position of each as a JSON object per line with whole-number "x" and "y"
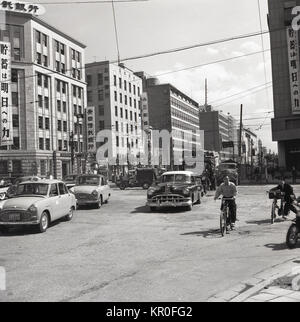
{"x": 227, "y": 168}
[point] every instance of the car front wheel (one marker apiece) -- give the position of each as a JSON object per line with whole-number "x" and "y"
{"x": 44, "y": 223}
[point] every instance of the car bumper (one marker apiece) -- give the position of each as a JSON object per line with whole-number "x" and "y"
{"x": 169, "y": 204}
{"x": 84, "y": 202}
{"x": 19, "y": 223}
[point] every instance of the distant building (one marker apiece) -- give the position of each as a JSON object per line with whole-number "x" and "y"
{"x": 48, "y": 90}
{"x": 286, "y": 82}
{"x": 172, "y": 110}
{"x": 220, "y": 132}
{"x": 115, "y": 92}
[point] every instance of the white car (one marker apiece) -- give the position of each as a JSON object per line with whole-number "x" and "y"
{"x": 91, "y": 189}
{"x": 37, "y": 203}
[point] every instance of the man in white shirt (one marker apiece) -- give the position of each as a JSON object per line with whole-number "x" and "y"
{"x": 228, "y": 190}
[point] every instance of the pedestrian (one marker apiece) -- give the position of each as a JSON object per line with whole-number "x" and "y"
{"x": 294, "y": 175}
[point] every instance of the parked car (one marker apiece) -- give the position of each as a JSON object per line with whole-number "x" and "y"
{"x": 37, "y": 203}
{"x": 91, "y": 189}
{"x": 176, "y": 189}
{"x": 141, "y": 177}
{"x": 13, "y": 188}
{"x": 5, "y": 183}
{"x": 70, "y": 180}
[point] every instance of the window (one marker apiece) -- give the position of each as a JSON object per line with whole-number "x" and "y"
{"x": 126, "y": 114}
{"x": 130, "y": 101}
{"x": 121, "y": 98}
{"x": 47, "y": 144}
{"x": 16, "y": 143}
{"x": 135, "y": 117}
{"x": 65, "y": 128}
{"x": 100, "y": 79}
{"x": 57, "y": 46}
{"x": 130, "y": 115}
{"x": 14, "y": 75}
{"x": 17, "y": 45}
{"x": 100, "y": 95}
{"x": 46, "y": 82}
{"x": 41, "y": 122}
{"x": 57, "y": 66}
{"x": 120, "y": 82}
{"x": 116, "y": 111}
{"x": 121, "y": 112}
{"x": 116, "y": 96}
{"x": 129, "y": 87}
{"x": 138, "y": 91}
{"x": 59, "y": 125}
{"x": 73, "y": 54}
{"x": 15, "y": 98}
{"x": 131, "y": 128}
{"x": 117, "y": 126}
{"x": 62, "y": 189}
{"x": 41, "y": 143}
{"x": 75, "y": 109}
{"x": 46, "y": 100}
{"x": 79, "y": 92}
{"x": 101, "y": 125}
{"x": 125, "y": 99}
{"x": 38, "y": 37}
{"x": 101, "y": 110}
{"x": 89, "y": 96}
{"x": 45, "y": 61}
{"x": 58, "y": 86}
{"x": 40, "y": 100}
{"x": 45, "y": 40}
{"x": 125, "y": 85}
{"x": 47, "y": 123}
{"x": 134, "y": 103}
{"x": 58, "y": 105}
{"x": 78, "y": 56}
{"x": 134, "y": 89}
{"x": 63, "y": 68}
{"x": 62, "y": 49}
{"x": 63, "y": 87}
{"x": 39, "y": 79}
{"x": 117, "y": 141}
{"x": 15, "y": 120}
{"x": 115, "y": 80}
{"x": 64, "y": 107}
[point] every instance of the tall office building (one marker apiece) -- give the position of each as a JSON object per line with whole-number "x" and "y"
{"x": 47, "y": 92}
{"x": 286, "y": 83}
{"x": 115, "y": 93}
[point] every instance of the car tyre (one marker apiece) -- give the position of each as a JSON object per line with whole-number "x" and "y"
{"x": 99, "y": 203}
{"x": 122, "y": 186}
{"x": 4, "y": 229}
{"x": 44, "y": 223}
{"x": 70, "y": 215}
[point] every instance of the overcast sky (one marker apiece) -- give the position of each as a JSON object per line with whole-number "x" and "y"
{"x": 156, "y": 25}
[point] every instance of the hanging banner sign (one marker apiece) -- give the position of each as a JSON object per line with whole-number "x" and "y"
{"x": 91, "y": 129}
{"x": 293, "y": 57}
{"x": 23, "y": 7}
{"x": 6, "y": 124}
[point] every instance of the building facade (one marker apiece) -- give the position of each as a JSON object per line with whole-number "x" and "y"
{"x": 171, "y": 110}
{"x": 286, "y": 86}
{"x": 48, "y": 91}
{"x": 115, "y": 92}
{"x": 220, "y": 133}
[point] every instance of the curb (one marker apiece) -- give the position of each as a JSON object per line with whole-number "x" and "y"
{"x": 242, "y": 291}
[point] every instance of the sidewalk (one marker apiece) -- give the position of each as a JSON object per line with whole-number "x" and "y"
{"x": 272, "y": 285}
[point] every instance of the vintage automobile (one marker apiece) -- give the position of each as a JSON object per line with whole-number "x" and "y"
{"x": 141, "y": 177}
{"x": 37, "y": 203}
{"x": 5, "y": 184}
{"x": 13, "y": 188}
{"x": 70, "y": 180}
{"x": 176, "y": 189}
{"x": 91, "y": 189}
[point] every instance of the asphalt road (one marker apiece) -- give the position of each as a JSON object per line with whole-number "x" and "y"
{"x": 123, "y": 252}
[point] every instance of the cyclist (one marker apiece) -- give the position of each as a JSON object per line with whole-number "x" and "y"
{"x": 228, "y": 190}
{"x": 288, "y": 197}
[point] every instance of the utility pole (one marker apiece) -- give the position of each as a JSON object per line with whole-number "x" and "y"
{"x": 206, "y": 95}
{"x": 240, "y": 141}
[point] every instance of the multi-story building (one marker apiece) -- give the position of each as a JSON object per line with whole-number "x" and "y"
{"x": 170, "y": 109}
{"x": 48, "y": 91}
{"x": 220, "y": 133}
{"x": 286, "y": 85}
{"x": 115, "y": 92}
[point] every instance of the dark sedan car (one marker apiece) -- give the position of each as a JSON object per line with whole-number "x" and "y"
{"x": 176, "y": 189}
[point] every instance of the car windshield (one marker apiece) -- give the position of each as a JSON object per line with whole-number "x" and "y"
{"x": 89, "y": 181}
{"x": 184, "y": 178}
{"x": 70, "y": 178}
{"x": 39, "y": 189}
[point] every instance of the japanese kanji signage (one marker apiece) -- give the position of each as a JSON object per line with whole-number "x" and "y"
{"x": 293, "y": 57}
{"x": 24, "y": 7}
{"x": 145, "y": 111}
{"x": 6, "y": 126}
{"x": 91, "y": 129}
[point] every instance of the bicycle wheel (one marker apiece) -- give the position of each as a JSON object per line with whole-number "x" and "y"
{"x": 223, "y": 223}
{"x": 228, "y": 218}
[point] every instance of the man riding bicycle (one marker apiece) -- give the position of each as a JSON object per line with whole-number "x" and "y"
{"x": 288, "y": 192}
{"x": 228, "y": 190}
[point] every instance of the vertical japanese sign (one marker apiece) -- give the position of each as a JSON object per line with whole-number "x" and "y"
{"x": 293, "y": 57}
{"x": 5, "y": 95}
{"x": 91, "y": 129}
{"x": 145, "y": 116}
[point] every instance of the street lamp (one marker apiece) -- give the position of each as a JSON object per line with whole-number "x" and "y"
{"x": 79, "y": 117}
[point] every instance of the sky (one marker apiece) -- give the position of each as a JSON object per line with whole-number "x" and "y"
{"x": 157, "y": 25}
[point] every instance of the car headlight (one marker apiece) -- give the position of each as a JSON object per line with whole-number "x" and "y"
{"x": 186, "y": 191}
{"x": 32, "y": 209}
{"x": 2, "y": 195}
{"x": 95, "y": 193}
{"x": 151, "y": 191}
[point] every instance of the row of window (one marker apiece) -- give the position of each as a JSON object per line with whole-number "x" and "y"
{"x": 184, "y": 107}
{"x": 128, "y": 143}
{"x": 121, "y": 128}
{"x": 185, "y": 117}
{"x": 183, "y": 126}
{"x": 126, "y": 101}
{"x": 126, "y": 85}
{"x": 15, "y": 35}
{"x": 131, "y": 114}
{"x": 62, "y": 145}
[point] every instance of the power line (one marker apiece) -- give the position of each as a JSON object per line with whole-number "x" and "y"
{"x": 90, "y": 2}
{"x": 116, "y": 30}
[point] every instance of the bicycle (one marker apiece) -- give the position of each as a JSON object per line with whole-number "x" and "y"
{"x": 277, "y": 195}
{"x": 225, "y": 218}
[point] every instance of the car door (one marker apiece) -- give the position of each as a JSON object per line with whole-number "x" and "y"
{"x": 55, "y": 202}
{"x": 194, "y": 188}
{"x": 65, "y": 199}
{"x": 104, "y": 188}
